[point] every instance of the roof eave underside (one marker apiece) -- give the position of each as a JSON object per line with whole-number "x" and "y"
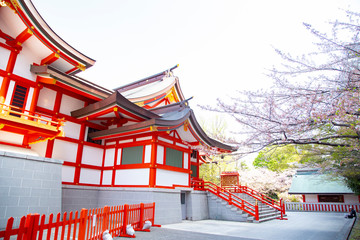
{"x": 42, "y": 27}
{"x": 144, "y": 81}
{"x": 115, "y": 99}
{"x": 211, "y": 142}
{"x": 164, "y": 124}
{"x": 72, "y": 81}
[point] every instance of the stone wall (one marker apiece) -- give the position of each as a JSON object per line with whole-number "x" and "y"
{"x": 28, "y": 184}
{"x": 167, "y": 201}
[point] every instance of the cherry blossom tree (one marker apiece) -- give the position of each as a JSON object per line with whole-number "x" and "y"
{"x": 314, "y": 102}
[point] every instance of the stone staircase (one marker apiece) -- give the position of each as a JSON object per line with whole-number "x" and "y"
{"x": 220, "y": 209}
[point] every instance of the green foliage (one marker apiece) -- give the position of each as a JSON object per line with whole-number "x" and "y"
{"x": 278, "y": 158}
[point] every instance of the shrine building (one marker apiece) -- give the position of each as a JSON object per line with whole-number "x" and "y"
{"x": 67, "y": 143}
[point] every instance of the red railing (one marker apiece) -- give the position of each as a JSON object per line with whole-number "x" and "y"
{"x": 322, "y": 207}
{"x": 278, "y": 205}
{"x": 35, "y": 117}
{"x": 226, "y": 195}
{"x": 89, "y": 224}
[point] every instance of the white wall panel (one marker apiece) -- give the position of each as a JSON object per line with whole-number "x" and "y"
{"x": 147, "y": 154}
{"x": 40, "y": 148}
{"x": 29, "y": 98}
{"x": 65, "y": 151}
{"x": 109, "y": 157}
{"x": 132, "y": 177}
{"x": 69, "y": 104}
{"x": 90, "y": 176}
{"x": 186, "y": 161}
{"x": 160, "y": 155}
{"x": 118, "y": 160}
{"x": 166, "y": 140}
{"x": 92, "y": 156}
{"x": 68, "y": 174}
{"x": 350, "y": 198}
{"x": 5, "y": 54}
{"x": 169, "y": 178}
{"x": 311, "y": 198}
{"x": 11, "y": 137}
{"x": 23, "y": 62}
{"x": 107, "y": 177}
{"x": 72, "y": 130}
{"x": 46, "y": 98}
{"x": 143, "y": 138}
{"x": 9, "y": 92}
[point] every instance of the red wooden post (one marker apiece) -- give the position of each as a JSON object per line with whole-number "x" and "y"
{"x": 105, "y": 220}
{"x": 82, "y": 224}
{"x": 125, "y": 219}
{"x": 256, "y": 211}
{"x": 32, "y": 225}
{"x": 142, "y": 211}
{"x": 8, "y": 228}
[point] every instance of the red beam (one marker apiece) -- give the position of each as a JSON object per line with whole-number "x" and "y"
{"x": 50, "y": 59}
{"x": 24, "y": 35}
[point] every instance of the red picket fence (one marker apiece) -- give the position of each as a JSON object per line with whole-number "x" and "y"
{"x": 321, "y": 207}
{"x": 89, "y": 225}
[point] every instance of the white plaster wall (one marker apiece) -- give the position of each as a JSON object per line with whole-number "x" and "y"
{"x": 143, "y": 138}
{"x": 23, "y": 62}
{"x": 40, "y": 148}
{"x": 169, "y": 178}
{"x": 72, "y": 130}
{"x": 5, "y": 54}
{"x": 68, "y": 174}
{"x": 46, "y": 98}
{"x": 1, "y": 78}
{"x": 165, "y": 140}
{"x": 69, "y": 104}
{"x": 350, "y": 198}
{"x": 92, "y": 156}
{"x": 29, "y": 98}
{"x": 311, "y": 198}
{"x": 107, "y": 177}
{"x": 118, "y": 160}
{"x": 65, "y": 151}
{"x": 10, "y": 92}
{"x": 160, "y": 155}
{"x": 182, "y": 145}
{"x": 126, "y": 141}
{"x": 109, "y": 157}
{"x": 11, "y": 137}
{"x": 147, "y": 154}
{"x": 132, "y": 177}
{"x": 186, "y": 161}
{"x": 90, "y": 176}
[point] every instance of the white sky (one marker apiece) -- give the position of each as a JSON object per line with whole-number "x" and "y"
{"x": 220, "y": 45}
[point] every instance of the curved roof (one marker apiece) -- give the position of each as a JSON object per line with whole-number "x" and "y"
{"x": 313, "y": 182}
{"x": 153, "y": 91}
{"x": 71, "y": 57}
{"x": 178, "y": 116}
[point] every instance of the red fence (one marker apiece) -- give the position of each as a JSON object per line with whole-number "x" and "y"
{"x": 321, "y": 207}
{"x": 89, "y": 224}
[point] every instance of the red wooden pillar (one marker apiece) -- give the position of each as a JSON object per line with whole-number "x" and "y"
{"x": 9, "y": 69}
{"x": 152, "y": 177}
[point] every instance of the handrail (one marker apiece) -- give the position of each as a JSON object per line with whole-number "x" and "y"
{"x": 24, "y": 114}
{"x": 258, "y": 196}
{"x": 226, "y": 195}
